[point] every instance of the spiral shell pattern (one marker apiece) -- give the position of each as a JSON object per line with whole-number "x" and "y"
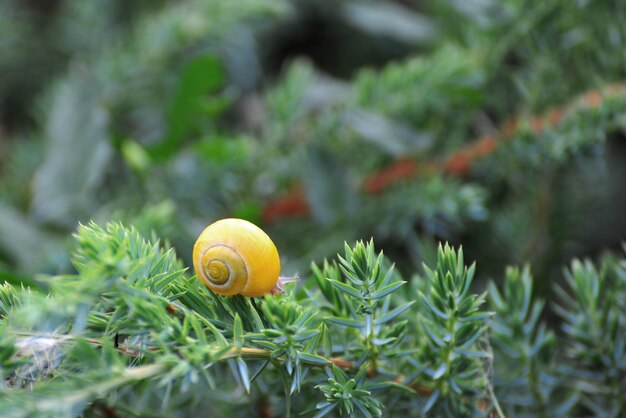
{"x": 234, "y": 256}
{"x": 217, "y": 271}
{"x": 222, "y": 269}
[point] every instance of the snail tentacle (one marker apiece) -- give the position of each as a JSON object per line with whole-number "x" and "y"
{"x": 282, "y": 281}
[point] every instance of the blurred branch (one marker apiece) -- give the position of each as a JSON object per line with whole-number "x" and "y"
{"x": 461, "y": 161}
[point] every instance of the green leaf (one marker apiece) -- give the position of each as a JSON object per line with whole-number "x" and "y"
{"x": 472, "y": 353}
{"x": 243, "y": 374}
{"x": 477, "y": 316}
{"x": 346, "y": 322}
{"x": 433, "y": 336}
{"x": 312, "y": 358}
{"x": 431, "y": 400}
{"x": 387, "y": 277}
{"x": 346, "y": 288}
{"x": 136, "y": 156}
{"x": 306, "y": 335}
{"x": 383, "y": 341}
{"x": 238, "y": 332}
{"x": 200, "y": 77}
{"x": 260, "y": 370}
{"x": 393, "y": 314}
{"x": 442, "y": 315}
{"x": 223, "y": 150}
{"x": 387, "y": 290}
{"x": 325, "y": 410}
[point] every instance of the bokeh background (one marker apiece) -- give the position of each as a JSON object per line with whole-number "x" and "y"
{"x": 495, "y": 124}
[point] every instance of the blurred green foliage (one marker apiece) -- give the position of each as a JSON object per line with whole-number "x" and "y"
{"x": 168, "y": 115}
{"x": 180, "y": 104}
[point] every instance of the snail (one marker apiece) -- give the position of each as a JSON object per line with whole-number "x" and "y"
{"x": 234, "y": 256}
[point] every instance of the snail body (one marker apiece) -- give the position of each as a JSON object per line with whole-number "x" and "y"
{"x": 234, "y": 256}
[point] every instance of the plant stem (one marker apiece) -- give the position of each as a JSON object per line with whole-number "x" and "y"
{"x": 447, "y": 352}
{"x": 534, "y": 387}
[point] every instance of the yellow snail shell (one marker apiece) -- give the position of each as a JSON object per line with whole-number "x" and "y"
{"x": 234, "y": 256}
